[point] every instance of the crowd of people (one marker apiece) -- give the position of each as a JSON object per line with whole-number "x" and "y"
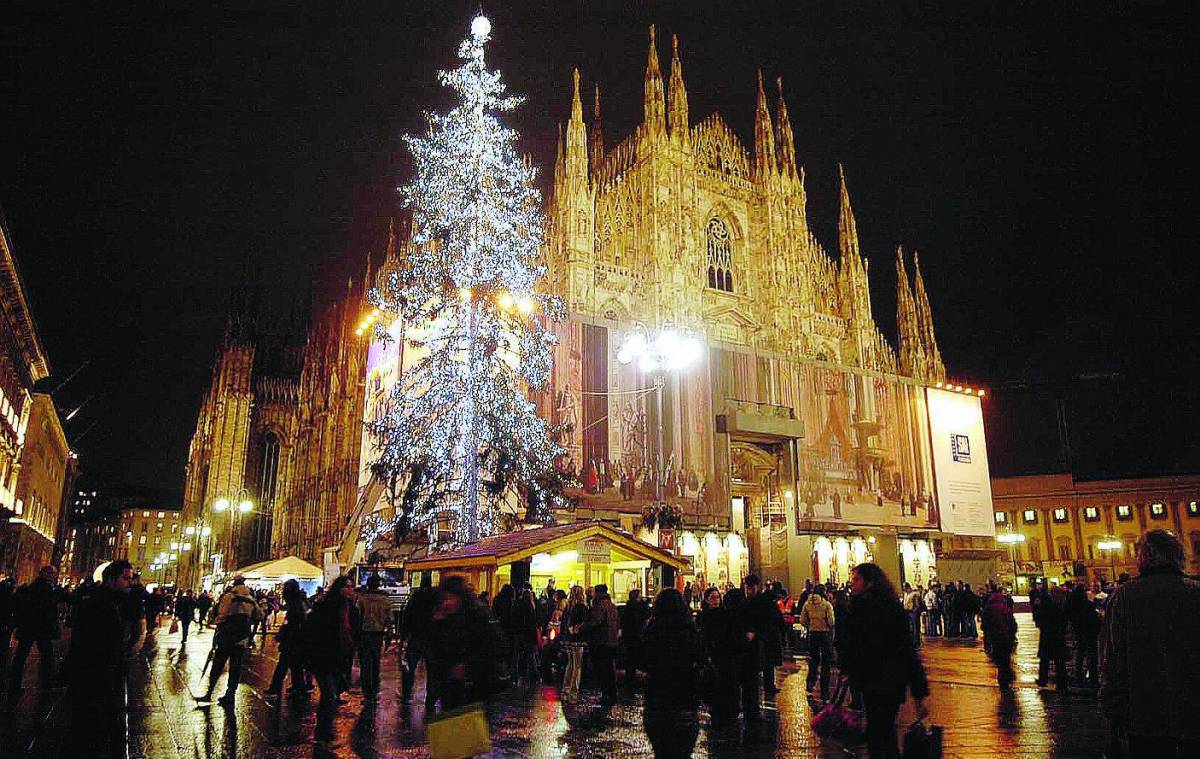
{"x": 1134, "y": 638}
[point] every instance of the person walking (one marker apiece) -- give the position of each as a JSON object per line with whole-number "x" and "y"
{"x": 743, "y": 650}
{"x": 462, "y": 647}
{"x": 185, "y": 612}
{"x": 153, "y": 607}
{"x": 235, "y": 613}
{"x": 1050, "y": 617}
{"x": 1085, "y": 630}
{"x": 912, "y": 606}
{"x": 1000, "y": 635}
{"x": 376, "y": 609}
{"x": 415, "y": 631}
{"x": 817, "y": 618}
{"x": 765, "y": 622}
{"x": 203, "y": 603}
{"x": 602, "y": 632}
{"x": 95, "y": 666}
{"x": 933, "y": 613}
{"x": 1149, "y": 663}
{"x": 634, "y": 616}
{"x": 876, "y": 653}
{"x": 721, "y": 638}
{"x": 330, "y": 641}
{"x": 35, "y": 623}
{"x": 968, "y": 606}
{"x": 290, "y": 638}
{"x": 671, "y": 713}
{"x": 524, "y": 637}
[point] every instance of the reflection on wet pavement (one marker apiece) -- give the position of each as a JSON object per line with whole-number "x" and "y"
{"x": 164, "y": 721}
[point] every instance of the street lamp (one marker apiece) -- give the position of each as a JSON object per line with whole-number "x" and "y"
{"x": 240, "y": 504}
{"x": 670, "y": 350}
{"x": 1111, "y": 546}
{"x": 1012, "y": 539}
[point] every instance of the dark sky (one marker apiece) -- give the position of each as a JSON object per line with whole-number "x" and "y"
{"x": 1034, "y": 153}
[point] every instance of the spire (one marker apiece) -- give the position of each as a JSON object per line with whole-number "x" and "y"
{"x": 559, "y": 165}
{"x": 906, "y": 320}
{"x": 596, "y": 136}
{"x": 924, "y": 319}
{"x": 784, "y": 140}
{"x": 654, "y": 108}
{"x": 677, "y": 96}
{"x": 847, "y": 228}
{"x": 576, "y": 149}
{"x": 764, "y": 139}
{"x": 389, "y": 255}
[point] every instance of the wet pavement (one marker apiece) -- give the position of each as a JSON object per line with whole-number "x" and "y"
{"x": 164, "y": 721}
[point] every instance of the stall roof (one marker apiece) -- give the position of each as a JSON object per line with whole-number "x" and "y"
{"x": 287, "y": 566}
{"x": 508, "y": 547}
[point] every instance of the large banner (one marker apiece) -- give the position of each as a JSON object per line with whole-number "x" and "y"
{"x": 960, "y": 464}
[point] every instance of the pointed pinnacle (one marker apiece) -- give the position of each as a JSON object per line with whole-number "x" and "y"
{"x": 576, "y": 105}
{"x": 596, "y": 108}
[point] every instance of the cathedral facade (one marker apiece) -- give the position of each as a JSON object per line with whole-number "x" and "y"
{"x": 799, "y": 442}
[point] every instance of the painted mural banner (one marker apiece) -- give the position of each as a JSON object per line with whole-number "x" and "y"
{"x": 964, "y": 488}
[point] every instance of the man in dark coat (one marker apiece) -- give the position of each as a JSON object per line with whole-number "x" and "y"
{"x": 36, "y": 623}
{"x": 634, "y": 616}
{"x": 602, "y": 631}
{"x": 765, "y": 621}
{"x": 1050, "y": 616}
{"x": 95, "y": 665}
{"x": 463, "y": 647}
{"x": 203, "y": 604}
{"x": 415, "y": 632}
{"x": 1085, "y": 629}
{"x": 1150, "y": 664}
{"x": 185, "y": 612}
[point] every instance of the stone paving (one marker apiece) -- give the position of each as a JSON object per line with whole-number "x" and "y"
{"x": 164, "y": 721}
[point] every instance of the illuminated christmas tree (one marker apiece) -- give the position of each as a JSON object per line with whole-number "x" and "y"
{"x": 461, "y": 434}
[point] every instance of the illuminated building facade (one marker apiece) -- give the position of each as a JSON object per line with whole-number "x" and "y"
{"x": 799, "y": 444}
{"x": 1071, "y": 528}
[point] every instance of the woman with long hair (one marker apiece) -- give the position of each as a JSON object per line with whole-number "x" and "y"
{"x": 576, "y": 612}
{"x": 875, "y": 651}
{"x": 330, "y": 642}
{"x": 675, "y": 652}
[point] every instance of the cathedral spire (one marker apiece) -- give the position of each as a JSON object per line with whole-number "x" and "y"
{"x": 785, "y": 141}
{"x": 559, "y": 164}
{"x": 576, "y": 148}
{"x": 677, "y": 100}
{"x": 596, "y": 136}
{"x": 911, "y": 360}
{"x": 847, "y": 227}
{"x": 764, "y": 138}
{"x": 389, "y": 255}
{"x": 654, "y": 108}
{"x": 924, "y": 319}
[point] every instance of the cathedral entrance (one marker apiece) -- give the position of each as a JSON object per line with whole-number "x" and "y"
{"x": 760, "y": 502}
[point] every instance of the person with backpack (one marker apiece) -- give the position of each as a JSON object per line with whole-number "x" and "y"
{"x": 236, "y": 611}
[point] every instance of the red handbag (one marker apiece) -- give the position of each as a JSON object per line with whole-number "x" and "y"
{"x": 839, "y": 722}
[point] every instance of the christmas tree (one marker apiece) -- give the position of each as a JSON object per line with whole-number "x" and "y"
{"x": 461, "y": 434}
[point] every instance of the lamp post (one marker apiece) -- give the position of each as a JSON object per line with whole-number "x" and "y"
{"x": 241, "y": 504}
{"x": 1012, "y": 539}
{"x": 1111, "y": 546}
{"x": 668, "y": 350}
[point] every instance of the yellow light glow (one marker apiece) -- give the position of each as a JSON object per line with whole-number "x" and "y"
{"x": 358, "y": 331}
{"x": 981, "y": 393}
{"x": 221, "y": 504}
{"x": 465, "y": 293}
{"x": 505, "y": 300}
{"x": 958, "y": 388}
{"x": 525, "y": 304}
{"x": 245, "y": 506}
{"x": 938, "y": 385}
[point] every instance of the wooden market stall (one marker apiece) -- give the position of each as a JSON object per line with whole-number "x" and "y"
{"x": 581, "y": 553}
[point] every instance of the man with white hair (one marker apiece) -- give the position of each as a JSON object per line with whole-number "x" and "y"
{"x": 1150, "y": 663}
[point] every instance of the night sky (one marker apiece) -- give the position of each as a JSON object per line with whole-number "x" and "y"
{"x": 1035, "y": 156}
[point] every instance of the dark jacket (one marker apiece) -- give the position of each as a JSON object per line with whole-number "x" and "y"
{"x": 1085, "y": 621}
{"x": 36, "y": 611}
{"x": 999, "y": 624}
{"x": 634, "y": 616}
{"x": 468, "y": 638}
{"x": 676, "y": 652}
{"x": 1050, "y": 616}
{"x": 291, "y": 633}
{"x": 327, "y": 636}
{"x": 523, "y": 622}
{"x": 185, "y": 608}
{"x": 1150, "y": 662}
{"x": 98, "y": 642}
{"x": 603, "y": 627}
{"x": 876, "y": 650}
{"x": 763, "y": 617}
{"x": 418, "y": 614}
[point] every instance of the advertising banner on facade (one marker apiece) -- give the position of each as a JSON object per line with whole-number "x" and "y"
{"x": 960, "y": 465}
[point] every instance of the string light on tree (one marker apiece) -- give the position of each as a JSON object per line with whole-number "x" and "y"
{"x": 461, "y": 434}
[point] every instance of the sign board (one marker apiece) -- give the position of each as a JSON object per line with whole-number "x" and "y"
{"x": 595, "y": 551}
{"x": 960, "y": 466}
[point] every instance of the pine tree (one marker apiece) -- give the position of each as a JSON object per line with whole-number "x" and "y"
{"x": 460, "y": 430}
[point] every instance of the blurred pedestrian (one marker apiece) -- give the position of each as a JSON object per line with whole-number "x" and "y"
{"x": 818, "y": 618}
{"x": 35, "y": 623}
{"x": 744, "y": 654}
{"x": 602, "y": 631}
{"x": 720, "y": 634}
{"x": 236, "y": 610}
{"x": 376, "y": 609}
{"x": 153, "y": 606}
{"x": 876, "y": 653}
{"x": 912, "y": 606}
{"x": 933, "y": 612}
{"x": 330, "y": 642}
{"x": 765, "y": 623}
{"x": 672, "y": 696}
{"x": 203, "y": 603}
{"x": 95, "y": 666}
{"x": 1000, "y": 635}
{"x": 416, "y": 627}
{"x": 462, "y": 647}
{"x": 1150, "y": 665}
{"x": 1050, "y": 617}
{"x": 524, "y": 637}
{"x": 634, "y": 616}
{"x": 185, "y": 612}
{"x": 1085, "y": 630}
{"x": 290, "y": 638}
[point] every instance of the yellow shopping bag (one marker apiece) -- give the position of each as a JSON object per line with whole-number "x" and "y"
{"x": 458, "y": 733}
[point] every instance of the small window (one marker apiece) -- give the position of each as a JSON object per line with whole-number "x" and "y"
{"x": 145, "y": 513}
{"x": 160, "y": 526}
{"x": 1194, "y": 508}
{"x": 1030, "y": 516}
{"x": 1091, "y": 514}
{"x": 1060, "y": 515}
{"x": 1001, "y": 517}
{"x": 1158, "y": 511}
{"x": 158, "y": 540}
{"x": 161, "y": 514}
{"x": 1125, "y": 512}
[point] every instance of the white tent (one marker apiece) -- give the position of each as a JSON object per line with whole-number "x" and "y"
{"x": 280, "y": 570}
